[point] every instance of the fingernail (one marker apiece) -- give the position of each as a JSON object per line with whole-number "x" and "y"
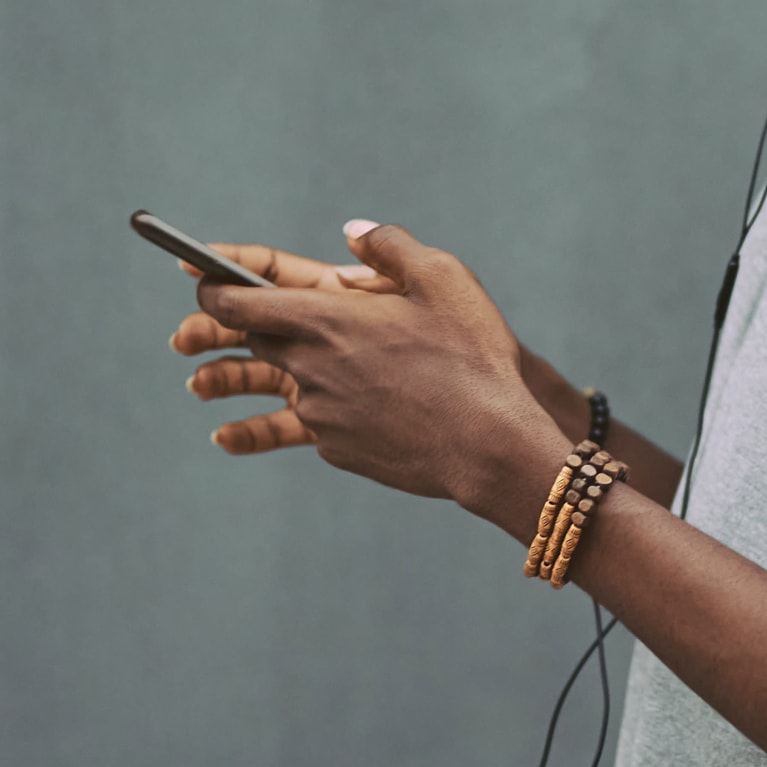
{"x": 358, "y": 226}
{"x": 357, "y": 272}
{"x": 189, "y": 384}
{"x": 180, "y": 264}
{"x": 172, "y": 342}
{"x": 214, "y": 437}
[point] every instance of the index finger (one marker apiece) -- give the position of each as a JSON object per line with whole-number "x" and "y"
{"x": 293, "y": 312}
{"x": 284, "y": 269}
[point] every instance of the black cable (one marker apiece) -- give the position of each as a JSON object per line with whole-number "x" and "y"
{"x": 751, "y": 186}
{"x": 699, "y": 430}
{"x": 599, "y": 641}
{"x": 758, "y": 209}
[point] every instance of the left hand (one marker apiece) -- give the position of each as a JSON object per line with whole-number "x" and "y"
{"x": 415, "y": 388}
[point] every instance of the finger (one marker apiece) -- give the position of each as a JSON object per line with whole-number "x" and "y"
{"x": 199, "y": 332}
{"x": 278, "y": 266}
{"x": 192, "y": 271}
{"x": 262, "y": 433}
{"x": 391, "y": 250}
{"x": 291, "y": 312}
{"x": 369, "y": 280}
{"x": 230, "y": 376}
{"x": 326, "y": 277}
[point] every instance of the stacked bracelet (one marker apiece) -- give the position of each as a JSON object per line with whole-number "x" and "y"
{"x": 550, "y": 509}
{"x": 586, "y": 477}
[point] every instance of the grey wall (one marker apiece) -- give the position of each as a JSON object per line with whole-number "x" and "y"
{"x": 162, "y": 603}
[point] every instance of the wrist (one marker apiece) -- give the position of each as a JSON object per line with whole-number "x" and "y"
{"x": 511, "y": 470}
{"x": 564, "y": 403}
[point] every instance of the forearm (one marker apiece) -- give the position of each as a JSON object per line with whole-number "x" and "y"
{"x": 654, "y": 472}
{"x": 699, "y": 606}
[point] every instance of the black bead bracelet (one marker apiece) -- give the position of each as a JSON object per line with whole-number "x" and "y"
{"x": 600, "y": 416}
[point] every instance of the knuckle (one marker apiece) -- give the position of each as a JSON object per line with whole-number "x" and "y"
{"x": 205, "y": 379}
{"x": 437, "y": 259}
{"x": 190, "y": 336}
{"x": 242, "y": 381}
{"x": 197, "y": 341}
{"x": 465, "y": 272}
{"x": 222, "y": 302}
{"x": 303, "y": 411}
{"x": 437, "y": 264}
{"x": 276, "y": 379}
{"x": 275, "y": 431}
{"x": 271, "y": 271}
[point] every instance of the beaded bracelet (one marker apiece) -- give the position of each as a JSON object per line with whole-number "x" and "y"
{"x": 603, "y": 480}
{"x": 585, "y": 484}
{"x": 574, "y": 461}
{"x": 600, "y": 415}
{"x": 587, "y": 475}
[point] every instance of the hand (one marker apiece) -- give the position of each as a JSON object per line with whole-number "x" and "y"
{"x": 418, "y": 388}
{"x": 235, "y": 375}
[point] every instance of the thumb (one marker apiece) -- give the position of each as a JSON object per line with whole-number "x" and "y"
{"x": 390, "y": 250}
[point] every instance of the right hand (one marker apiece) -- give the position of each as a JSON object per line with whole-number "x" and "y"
{"x": 231, "y": 375}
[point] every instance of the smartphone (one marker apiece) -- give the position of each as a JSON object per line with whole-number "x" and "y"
{"x": 193, "y": 252}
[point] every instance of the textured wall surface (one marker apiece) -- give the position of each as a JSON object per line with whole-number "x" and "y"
{"x": 165, "y": 604}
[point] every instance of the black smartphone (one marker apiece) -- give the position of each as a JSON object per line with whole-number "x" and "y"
{"x": 196, "y": 253}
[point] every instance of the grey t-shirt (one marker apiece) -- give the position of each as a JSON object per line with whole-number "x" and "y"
{"x": 664, "y": 722}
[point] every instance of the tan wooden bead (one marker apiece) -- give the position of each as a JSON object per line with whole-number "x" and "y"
{"x": 555, "y": 540}
{"x": 586, "y": 449}
{"x": 586, "y": 506}
{"x": 572, "y": 497}
{"x": 579, "y": 519}
{"x": 534, "y": 554}
{"x": 558, "y": 579}
{"x": 617, "y": 469}
{"x": 579, "y": 484}
{"x": 574, "y": 461}
{"x": 544, "y": 571}
{"x": 549, "y": 511}
{"x": 600, "y": 458}
{"x": 603, "y": 480}
{"x": 561, "y": 483}
{"x": 594, "y": 493}
{"x": 588, "y": 471}
{"x": 559, "y": 572}
{"x": 546, "y": 520}
{"x": 531, "y": 570}
{"x": 570, "y": 542}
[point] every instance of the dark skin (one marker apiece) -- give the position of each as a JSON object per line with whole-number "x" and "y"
{"x": 481, "y": 421}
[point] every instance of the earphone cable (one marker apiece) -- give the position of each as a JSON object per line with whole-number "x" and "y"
{"x": 598, "y": 642}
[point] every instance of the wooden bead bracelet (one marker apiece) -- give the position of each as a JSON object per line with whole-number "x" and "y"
{"x": 587, "y": 475}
